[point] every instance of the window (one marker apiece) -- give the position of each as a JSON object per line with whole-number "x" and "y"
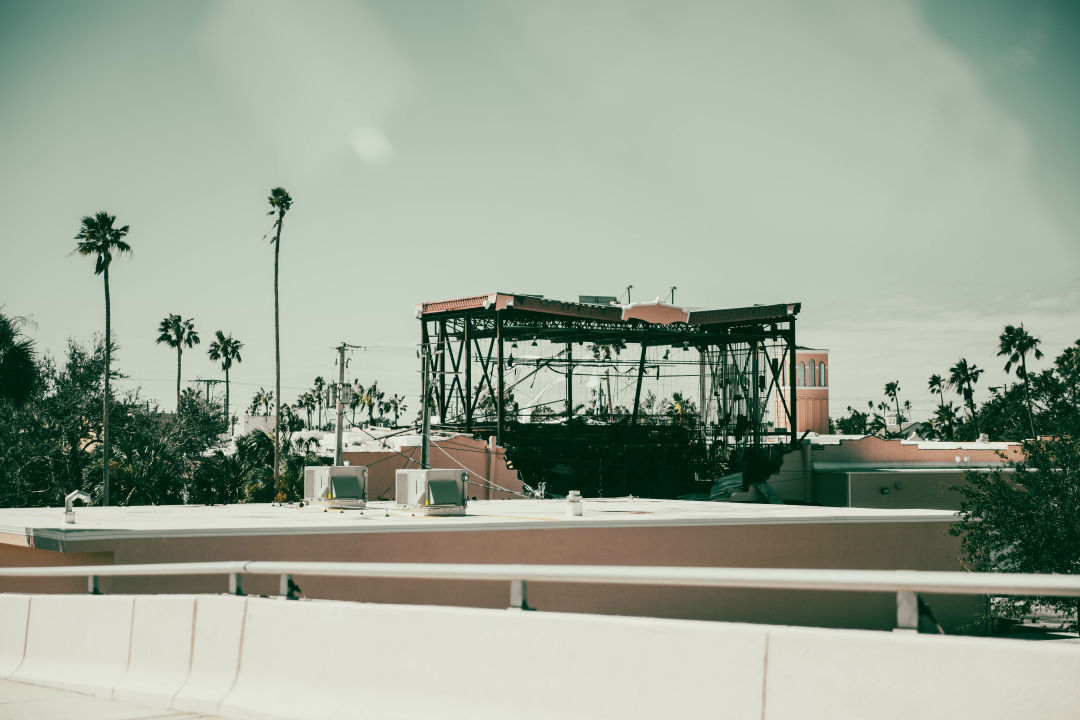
{"x": 813, "y": 374}
{"x": 801, "y": 380}
{"x": 821, "y": 375}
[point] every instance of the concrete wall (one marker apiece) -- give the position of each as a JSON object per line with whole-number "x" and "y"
{"x": 255, "y": 657}
{"x": 921, "y": 545}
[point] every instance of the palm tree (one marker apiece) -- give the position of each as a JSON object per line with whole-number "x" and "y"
{"x": 1014, "y": 344}
{"x": 963, "y": 376}
{"x": 397, "y": 406}
{"x": 280, "y": 203}
{"x": 306, "y": 402}
{"x": 357, "y": 399}
{"x": 891, "y": 391}
{"x": 99, "y": 236}
{"x": 946, "y": 416}
{"x": 319, "y": 387}
{"x": 227, "y": 349}
{"x": 373, "y": 399}
{"x": 18, "y": 366}
{"x": 176, "y": 332}
{"x": 937, "y": 385}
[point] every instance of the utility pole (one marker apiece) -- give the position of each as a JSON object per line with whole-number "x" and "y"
{"x": 340, "y": 402}
{"x": 339, "y": 394}
{"x": 425, "y": 424}
{"x": 673, "y": 289}
{"x": 208, "y": 384}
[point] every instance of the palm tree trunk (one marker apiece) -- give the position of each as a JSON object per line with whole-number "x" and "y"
{"x": 228, "y": 420}
{"x": 179, "y": 351}
{"x": 971, "y": 409}
{"x": 105, "y": 399}
{"x": 1027, "y": 396}
{"x": 277, "y": 361}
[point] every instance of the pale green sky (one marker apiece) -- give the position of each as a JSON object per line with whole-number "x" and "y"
{"x": 906, "y": 170}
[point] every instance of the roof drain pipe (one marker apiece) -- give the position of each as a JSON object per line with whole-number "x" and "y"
{"x": 69, "y": 499}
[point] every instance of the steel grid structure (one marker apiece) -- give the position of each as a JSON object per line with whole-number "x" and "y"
{"x": 731, "y": 367}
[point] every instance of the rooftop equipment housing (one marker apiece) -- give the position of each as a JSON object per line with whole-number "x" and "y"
{"x": 336, "y": 485}
{"x": 432, "y": 492}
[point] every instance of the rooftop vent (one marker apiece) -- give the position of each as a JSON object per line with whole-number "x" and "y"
{"x": 432, "y": 492}
{"x": 337, "y": 485}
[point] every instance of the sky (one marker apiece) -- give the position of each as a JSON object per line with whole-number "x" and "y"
{"x": 906, "y": 170}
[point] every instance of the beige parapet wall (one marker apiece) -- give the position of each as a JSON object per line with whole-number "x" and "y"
{"x": 263, "y": 657}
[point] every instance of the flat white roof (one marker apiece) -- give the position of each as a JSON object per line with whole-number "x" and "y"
{"x": 113, "y": 523}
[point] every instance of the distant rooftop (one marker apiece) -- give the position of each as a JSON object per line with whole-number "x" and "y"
{"x": 45, "y": 527}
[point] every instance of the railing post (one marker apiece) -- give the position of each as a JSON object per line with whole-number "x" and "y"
{"x": 287, "y": 588}
{"x": 907, "y": 611}
{"x": 236, "y": 587}
{"x": 92, "y": 585}
{"x": 519, "y": 595}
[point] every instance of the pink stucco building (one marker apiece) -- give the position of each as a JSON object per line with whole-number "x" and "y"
{"x": 811, "y": 392}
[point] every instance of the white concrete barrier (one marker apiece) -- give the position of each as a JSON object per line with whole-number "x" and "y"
{"x": 161, "y": 640}
{"x": 215, "y": 653}
{"x": 817, "y": 673}
{"x": 78, "y": 642}
{"x": 332, "y": 659}
{"x": 261, "y": 657}
{"x": 13, "y": 612}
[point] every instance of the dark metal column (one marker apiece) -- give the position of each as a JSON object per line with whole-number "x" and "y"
{"x": 425, "y": 393}
{"x": 793, "y": 421}
{"x": 637, "y": 389}
{"x": 569, "y": 382}
{"x": 440, "y": 368}
{"x": 468, "y": 377}
{"x": 500, "y": 399}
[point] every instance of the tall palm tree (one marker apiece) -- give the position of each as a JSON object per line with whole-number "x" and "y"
{"x": 963, "y": 376}
{"x": 227, "y": 349}
{"x": 398, "y": 406}
{"x": 100, "y": 237}
{"x": 177, "y": 332}
{"x": 280, "y": 203}
{"x": 946, "y": 416}
{"x": 372, "y": 399}
{"x": 306, "y": 402}
{"x": 357, "y": 399}
{"x": 1015, "y": 343}
{"x": 892, "y": 390}
{"x": 18, "y": 366}
{"x": 937, "y": 385}
{"x": 320, "y": 387}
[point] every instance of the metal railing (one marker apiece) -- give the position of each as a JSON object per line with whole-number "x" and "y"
{"x": 907, "y": 584}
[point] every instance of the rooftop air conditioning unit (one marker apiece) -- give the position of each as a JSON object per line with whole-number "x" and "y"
{"x": 432, "y": 492}
{"x": 336, "y": 485}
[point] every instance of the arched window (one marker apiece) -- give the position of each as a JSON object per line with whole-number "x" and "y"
{"x": 813, "y": 374}
{"x": 802, "y": 374}
{"x": 821, "y": 375}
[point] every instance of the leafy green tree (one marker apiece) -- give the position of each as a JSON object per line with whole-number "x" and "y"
{"x": 854, "y": 423}
{"x": 99, "y": 236}
{"x": 19, "y": 371}
{"x": 1024, "y": 519}
{"x": 177, "y": 332}
{"x": 1015, "y": 344}
{"x": 962, "y": 377}
{"x": 227, "y": 349}
{"x": 280, "y": 203}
